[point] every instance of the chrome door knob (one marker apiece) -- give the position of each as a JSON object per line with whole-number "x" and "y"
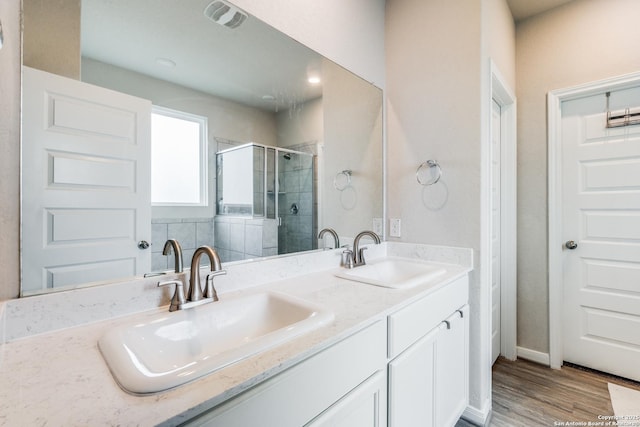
{"x": 570, "y": 244}
{"x": 143, "y": 244}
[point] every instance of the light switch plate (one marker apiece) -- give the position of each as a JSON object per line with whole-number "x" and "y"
{"x": 395, "y": 227}
{"x": 377, "y": 226}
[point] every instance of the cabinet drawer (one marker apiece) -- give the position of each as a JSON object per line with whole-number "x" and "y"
{"x": 410, "y": 323}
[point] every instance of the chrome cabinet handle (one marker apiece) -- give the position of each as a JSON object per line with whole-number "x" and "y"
{"x": 143, "y": 244}
{"x": 570, "y": 244}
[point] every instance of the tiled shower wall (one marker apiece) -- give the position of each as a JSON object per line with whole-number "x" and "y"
{"x": 189, "y": 232}
{"x": 239, "y": 238}
{"x": 299, "y": 178}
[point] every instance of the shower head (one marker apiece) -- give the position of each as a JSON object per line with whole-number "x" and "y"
{"x": 287, "y": 156}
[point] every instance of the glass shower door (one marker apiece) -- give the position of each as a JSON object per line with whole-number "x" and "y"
{"x": 295, "y": 202}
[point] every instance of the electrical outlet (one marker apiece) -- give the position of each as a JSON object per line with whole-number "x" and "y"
{"x": 395, "y": 227}
{"x": 377, "y": 226}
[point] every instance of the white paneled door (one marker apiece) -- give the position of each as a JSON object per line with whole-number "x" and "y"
{"x": 86, "y": 182}
{"x": 601, "y": 235}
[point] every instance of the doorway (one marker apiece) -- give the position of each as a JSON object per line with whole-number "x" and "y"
{"x": 594, "y": 228}
{"x": 501, "y": 246}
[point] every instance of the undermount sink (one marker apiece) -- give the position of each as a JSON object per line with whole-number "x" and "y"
{"x": 165, "y": 350}
{"x": 392, "y": 272}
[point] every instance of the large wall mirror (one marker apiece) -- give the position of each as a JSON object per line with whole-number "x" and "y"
{"x": 145, "y": 121}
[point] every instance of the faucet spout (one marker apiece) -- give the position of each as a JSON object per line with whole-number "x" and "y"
{"x": 358, "y": 253}
{"x": 336, "y": 239}
{"x": 195, "y": 290}
{"x": 172, "y": 244}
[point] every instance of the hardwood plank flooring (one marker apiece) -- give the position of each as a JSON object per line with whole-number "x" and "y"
{"x": 528, "y": 394}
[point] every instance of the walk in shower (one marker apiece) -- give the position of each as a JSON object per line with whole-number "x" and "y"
{"x": 266, "y": 202}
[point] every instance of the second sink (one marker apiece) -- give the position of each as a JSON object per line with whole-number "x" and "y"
{"x": 165, "y": 350}
{"x": 392, "y": 272}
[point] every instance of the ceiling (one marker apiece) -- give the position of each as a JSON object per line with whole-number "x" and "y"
{"x": 253, "y": 64}
{"x": 523, "y": 9}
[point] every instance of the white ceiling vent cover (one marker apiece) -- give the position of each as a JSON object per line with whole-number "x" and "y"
{"x": 225, "y": 14}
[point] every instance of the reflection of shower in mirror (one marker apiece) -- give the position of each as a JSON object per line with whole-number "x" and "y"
{"x": 269, "y": 192}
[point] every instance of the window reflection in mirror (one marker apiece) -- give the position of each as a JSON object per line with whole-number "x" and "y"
{"x": 178, "y": 158}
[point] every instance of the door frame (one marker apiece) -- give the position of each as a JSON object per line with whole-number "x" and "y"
{"x": 504, "y": 96}
{"x": 554, "y": 197}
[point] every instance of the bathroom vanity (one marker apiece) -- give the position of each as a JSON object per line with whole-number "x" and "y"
{"x": 346, "y": 384}
{"x": 390, "y": 357}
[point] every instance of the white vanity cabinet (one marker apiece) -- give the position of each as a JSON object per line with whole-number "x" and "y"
{"x": 411, "y": 370}
{"x": 428, "y": 348}
{"x": 344, "y": 385}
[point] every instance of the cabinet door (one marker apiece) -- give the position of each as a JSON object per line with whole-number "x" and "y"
{"x": 412, "y": 384}
{"x": 452, "y": 362}
{"x": 365, "y": 406}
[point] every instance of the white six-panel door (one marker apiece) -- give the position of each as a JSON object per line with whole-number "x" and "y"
{"x": 601, "y": 214}
{"x": 85, "y": 182}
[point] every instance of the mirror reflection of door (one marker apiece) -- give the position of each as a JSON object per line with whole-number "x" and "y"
{"x": 87, "y": 157}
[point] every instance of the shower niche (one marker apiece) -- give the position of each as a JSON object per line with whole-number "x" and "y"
{"x": 266, "y": 202}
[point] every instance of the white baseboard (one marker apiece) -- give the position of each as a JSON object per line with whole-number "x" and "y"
{"x": 477, "y": 417}
{"x": 534, "y": 356}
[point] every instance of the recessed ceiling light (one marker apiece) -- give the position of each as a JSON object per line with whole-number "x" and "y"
{"x": 166, "y": 62}
{"x": 314, "y": 80}
{"x": 268, "y": 97}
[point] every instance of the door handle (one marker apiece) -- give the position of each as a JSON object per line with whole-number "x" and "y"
{"x": 570, "y": 244}
{"x": 143, "y": 244}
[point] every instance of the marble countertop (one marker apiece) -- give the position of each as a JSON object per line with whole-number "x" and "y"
{"x": 60, "y": 378}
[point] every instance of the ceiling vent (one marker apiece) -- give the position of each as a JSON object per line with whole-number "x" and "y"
{"x": 225, "y": 14}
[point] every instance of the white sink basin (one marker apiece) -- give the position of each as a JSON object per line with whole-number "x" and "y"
{"x": 391, "y": 272}
{"x": 165, "y": 350}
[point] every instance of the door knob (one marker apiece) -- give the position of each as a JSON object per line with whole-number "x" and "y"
{"x": 143, "y": 244}
{"x": 571, "y": 244}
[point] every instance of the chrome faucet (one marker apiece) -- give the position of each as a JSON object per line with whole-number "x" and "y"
{"x": 196, "y": 296}
{"x": 358, "y": 252}
{"x": 172, "y": 244}
{"x": 336, "y": 239}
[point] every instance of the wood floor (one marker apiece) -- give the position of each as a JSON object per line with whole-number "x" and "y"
{"x": 528, "y": 394}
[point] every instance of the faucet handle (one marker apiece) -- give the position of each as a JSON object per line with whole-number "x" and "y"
{"x": 347, "y": 258}
{"x": 178, "y": 296}
{"x": 209, "y": 289}
{"x": 361, "y": 255}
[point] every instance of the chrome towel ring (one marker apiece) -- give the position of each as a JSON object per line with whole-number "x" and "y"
{"x": 429, "y": 172}
{"x": 342, "y": 180}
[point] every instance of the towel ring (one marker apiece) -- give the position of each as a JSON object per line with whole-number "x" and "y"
{"x": 429, "y": 172}
{"x": 342, "y": 180}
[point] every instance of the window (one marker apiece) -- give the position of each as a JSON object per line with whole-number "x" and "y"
{"x": 178, "y": 158}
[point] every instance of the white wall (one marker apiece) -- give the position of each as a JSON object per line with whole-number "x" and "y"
{"x": 350, "y": 33}
{"x": 500, "y": 32}
{"x": 582, "y": 41}
{"x": 352, "y": 141}
{"x": 437, "y": 55}
{"x": 433, "y": 112}
{"x": 303, "y": 124}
